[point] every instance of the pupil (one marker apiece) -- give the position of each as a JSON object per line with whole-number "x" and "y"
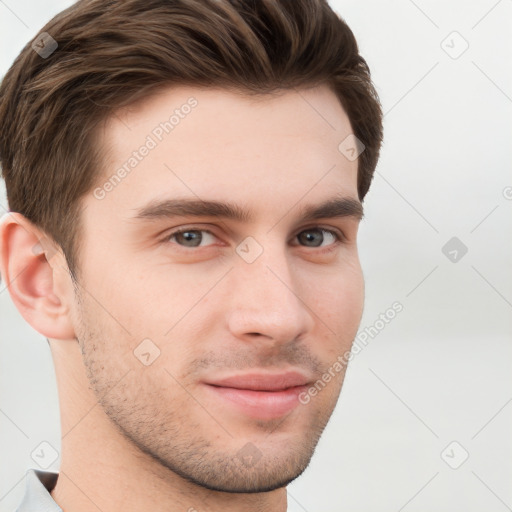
{"x": 191, "y": 236}
{"x": 311, "y": 235}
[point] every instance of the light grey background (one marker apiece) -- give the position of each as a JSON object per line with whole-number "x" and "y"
{"x": 440, "y": 371}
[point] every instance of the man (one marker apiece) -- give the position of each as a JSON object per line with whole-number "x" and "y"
{"x": 185, "y": 180}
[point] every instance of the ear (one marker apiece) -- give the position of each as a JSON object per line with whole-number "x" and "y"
{"x": 35, "y": 272}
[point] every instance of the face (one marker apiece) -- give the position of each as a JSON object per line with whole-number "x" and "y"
{"x": 216, "y": 289}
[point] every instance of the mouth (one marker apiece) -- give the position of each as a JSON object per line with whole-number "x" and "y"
{"x": 263, "y": 396}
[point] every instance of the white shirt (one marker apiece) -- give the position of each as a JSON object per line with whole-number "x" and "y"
{"x": 37, "y": 498}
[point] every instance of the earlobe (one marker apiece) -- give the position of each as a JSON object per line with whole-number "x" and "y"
{"x": 29, "y": 276}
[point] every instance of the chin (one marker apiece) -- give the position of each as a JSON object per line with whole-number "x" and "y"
{"x": 247, "y": 481}
{"x": 245, "y": 471}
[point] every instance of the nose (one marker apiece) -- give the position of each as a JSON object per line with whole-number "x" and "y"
{"x": 268, "y": 303}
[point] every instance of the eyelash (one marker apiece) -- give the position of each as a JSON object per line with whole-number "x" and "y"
{"x": 339, "y": 238}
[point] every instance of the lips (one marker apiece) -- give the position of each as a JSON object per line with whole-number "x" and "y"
{"x": 262, "y": 382}
{"x": 261, "y": 396}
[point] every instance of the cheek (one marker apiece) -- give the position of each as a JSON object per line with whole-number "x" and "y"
{"x": 338, "y": 302}
{"x": 156, "y": 302}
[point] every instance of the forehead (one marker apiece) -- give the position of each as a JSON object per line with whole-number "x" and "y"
{"x": 216, "y": 143}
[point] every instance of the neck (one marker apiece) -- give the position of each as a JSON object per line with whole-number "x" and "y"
{"x": 102, "y": 469}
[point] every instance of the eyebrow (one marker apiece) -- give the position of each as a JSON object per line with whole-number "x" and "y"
{"x": 191, "y": 207}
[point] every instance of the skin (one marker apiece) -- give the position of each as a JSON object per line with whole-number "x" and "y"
{"x": 155, "y": 437}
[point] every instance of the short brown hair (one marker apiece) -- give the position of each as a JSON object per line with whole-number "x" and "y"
{"x": 112, "y": 53}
